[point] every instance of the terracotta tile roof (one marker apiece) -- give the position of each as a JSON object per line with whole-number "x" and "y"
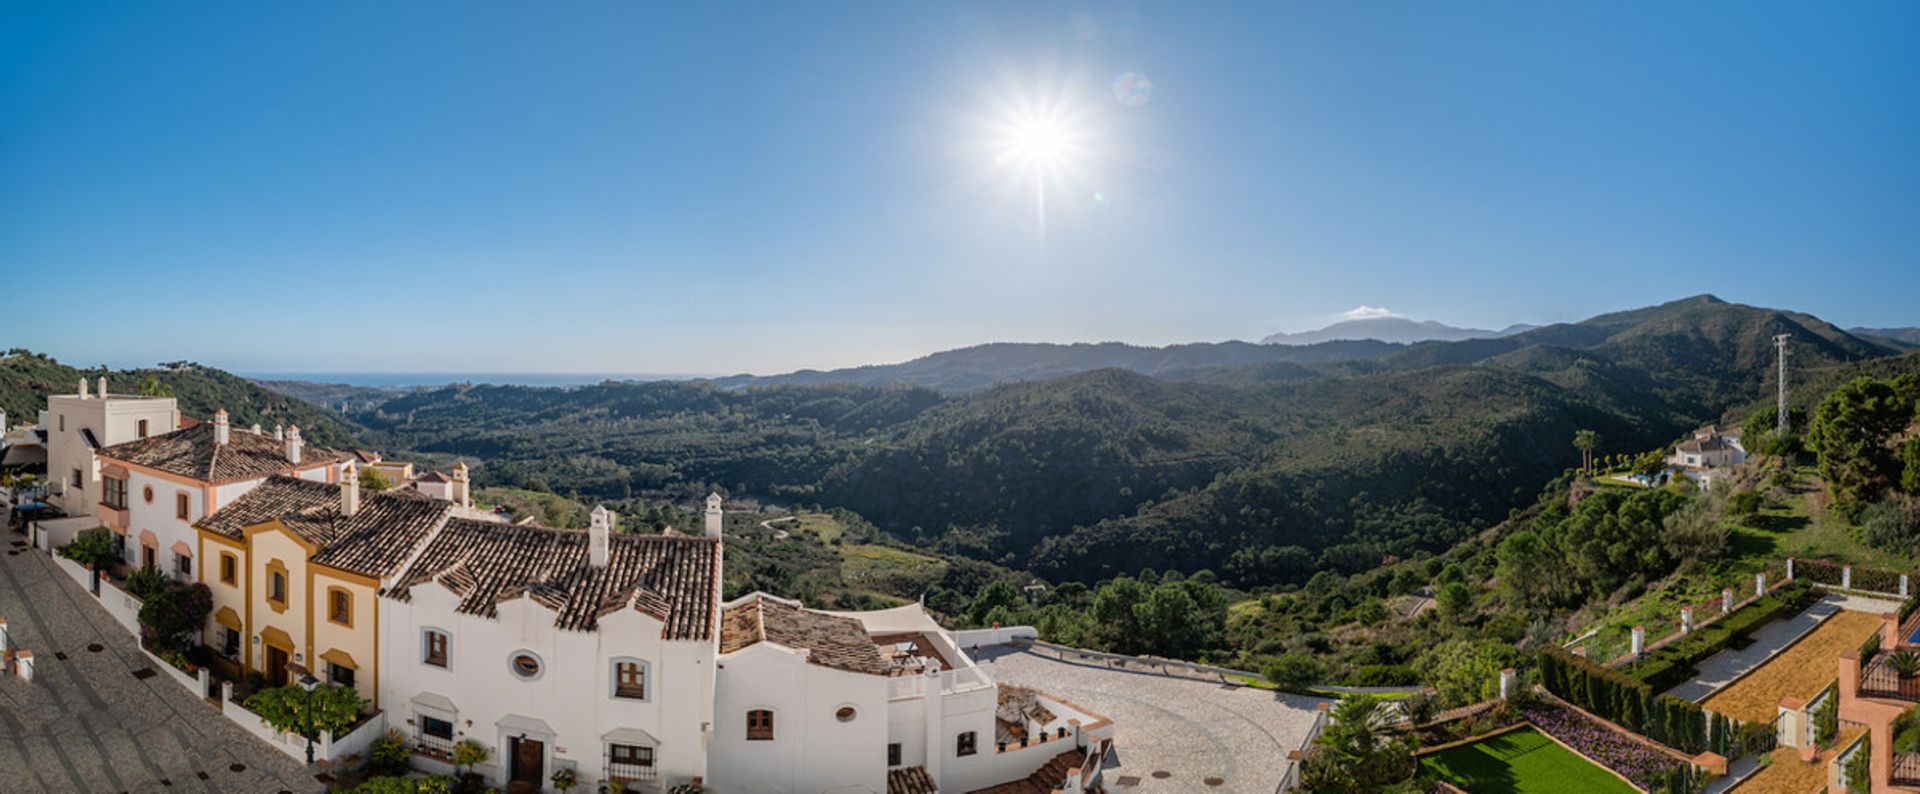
{"x": 432, "y": 476}
{"x": 191, "y": 453}
{"x": 674, "y": 579}
{"x": 306, "y": 507}
{"x": 833, "y": 641}
{"x": 910, "y": 780}
{"x": 386, "y": 531}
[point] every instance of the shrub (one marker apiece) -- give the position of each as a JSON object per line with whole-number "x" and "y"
{"x": 1383, "y": 675}
{"x": 171, "y": 617}
{"x": 1893, "y": 525}
{"x": 1293, "y": 672}
{"x": 1744, "y": 503}
{"x": 92, "y": 547}
{"x": 335, "y": 708}
{"x": 144, "y": 582}
{"x": 389, "y": 754}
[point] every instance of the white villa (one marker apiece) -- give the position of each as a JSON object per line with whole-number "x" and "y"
{"x": 79, "y": 425}
{"x": 153, "y": 489}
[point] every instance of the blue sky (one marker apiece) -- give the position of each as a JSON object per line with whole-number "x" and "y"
{"x": 711, "y": 188}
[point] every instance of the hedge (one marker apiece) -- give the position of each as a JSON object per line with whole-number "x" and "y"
{"x": 1673, "y": 664}
{"x": 1624, "y": 700}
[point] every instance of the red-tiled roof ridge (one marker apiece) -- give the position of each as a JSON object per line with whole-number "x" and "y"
{"x": 674, "y": 579}
{"x": 830, "y": 640}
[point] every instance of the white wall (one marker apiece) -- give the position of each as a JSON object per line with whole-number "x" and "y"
{"x": 160, "y": 517}
{"x": 811, "y": 750}
{"x": 573, "y": 694}
{"x": 113, "y": 421}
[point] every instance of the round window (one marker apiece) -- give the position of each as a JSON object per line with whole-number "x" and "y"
{"x": 147, "y": 494}
{"x": 526, "y": 665}
{"x": 845, "y": 714}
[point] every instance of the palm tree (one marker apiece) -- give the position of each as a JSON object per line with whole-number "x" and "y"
{"x": 1585, "y": 441}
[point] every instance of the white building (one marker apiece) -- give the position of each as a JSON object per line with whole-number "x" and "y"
{"x": 153, "y": 489}
{"x": 590, "y": 651}
{"x": 1712, "y": 447}
{"x": 79, "y": 425}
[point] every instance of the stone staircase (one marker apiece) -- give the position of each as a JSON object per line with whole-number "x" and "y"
{"x": 1048, "y": 778}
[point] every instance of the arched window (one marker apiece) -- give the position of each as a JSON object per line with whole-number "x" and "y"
{"x": 760, "y": 725}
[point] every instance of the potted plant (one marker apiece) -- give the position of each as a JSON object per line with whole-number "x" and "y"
{"x": 1904, "y": 662}
{"x": 564, "y": 779}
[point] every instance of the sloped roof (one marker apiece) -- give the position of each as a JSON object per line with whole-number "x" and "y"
{"x": 673, "y": 578}
{"x": 910, "y": 780}
{"x": 191, "y": 452}
{"x": 375, "y": 541}
{"x": 306, "y": 507}
{"x": 833, "y": 641}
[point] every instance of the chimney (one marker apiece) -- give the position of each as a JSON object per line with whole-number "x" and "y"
{"x": 598, "y": 536}
{"x": 103, "y": 386}
{"x": 220, "y": 427}
{"x": 83, "y": 387}
{"x": 713, "y": 515}
{"x": 293, "y": 444}
{"x": 462, "y": 494}
{"x": 256, "y": 428}
{"x": 349, "y": 489}
{"x": 279, "y": 432}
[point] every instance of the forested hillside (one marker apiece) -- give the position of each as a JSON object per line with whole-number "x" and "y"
{"x": 26, "y": 378}
{"x": 1262, "y": 473}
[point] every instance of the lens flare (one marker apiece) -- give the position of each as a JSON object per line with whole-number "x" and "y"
{"x": 1133, "y": 89}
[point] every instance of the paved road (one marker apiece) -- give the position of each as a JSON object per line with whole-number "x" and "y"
{"x": 86, "y": 724}
{"x": 1172, "y": 734}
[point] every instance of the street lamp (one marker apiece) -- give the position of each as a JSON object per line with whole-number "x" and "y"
{"x": 308, "y": 683}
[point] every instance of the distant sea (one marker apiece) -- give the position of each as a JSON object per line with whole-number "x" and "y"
{"x": 407, "y": 380}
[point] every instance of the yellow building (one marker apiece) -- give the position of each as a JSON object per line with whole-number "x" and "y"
{"x": 295, "y": 568}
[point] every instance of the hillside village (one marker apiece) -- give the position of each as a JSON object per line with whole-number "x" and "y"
{"x": 1730, "y": 612}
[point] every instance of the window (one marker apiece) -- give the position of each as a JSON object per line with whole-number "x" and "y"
{"x": 63, "y": 423}
{"x": 277, "y": 587}
{"x": 760, "y": 725}
{"x": 893, "y": 754}
{"x": 229, "y": 643}
{"x": 183, "y": 564}
{"x": 75, "y": 482}
{"x": 525, "y": 665}
{"x": 439, "y": 729}
{"x": 147, "y": 494}
{"x": 436, "y": 648}
{"x": 113, "y": 493}
{"x": 342, "y": 676}
{"x": 845, "y": 714}
{"x": 629, "y": 679}
{"x": 180, "y": 506}
{"x": 630, "y": 755}
{"x": 340, "y": 606}
{"x": 968, "y": 744}
{"x": 143, "y": 428}
{"x": 229, "y": 568}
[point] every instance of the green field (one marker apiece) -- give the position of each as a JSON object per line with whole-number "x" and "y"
{"x": 1521, "y": 762}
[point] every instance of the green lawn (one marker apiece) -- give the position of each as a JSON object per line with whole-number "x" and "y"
{"x": 1521, "y": 762}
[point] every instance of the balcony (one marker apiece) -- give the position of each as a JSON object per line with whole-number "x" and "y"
{"x": 430, "y": 744}
{"x": 631, "y": 773}
{"x": 1878, "y": 679}
{"x": 1906, "y": 770}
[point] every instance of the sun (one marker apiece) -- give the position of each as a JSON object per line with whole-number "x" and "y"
{"x": 1039, "y": 144}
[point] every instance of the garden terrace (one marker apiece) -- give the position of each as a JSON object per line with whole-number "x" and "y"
{"x": 1787, "y": 774}
{"x": 1638, "y": 760}
{"x": 1523, "y": 761}
{"x": 1800, "y": 671}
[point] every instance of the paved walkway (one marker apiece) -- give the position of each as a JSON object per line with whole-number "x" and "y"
{"x": 86, "y": 724}
{"x": 1172, "y": 734}
{"x": 1722, "y": 668}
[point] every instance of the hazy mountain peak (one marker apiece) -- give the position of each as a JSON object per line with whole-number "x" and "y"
{"x": 1385, "y": 328}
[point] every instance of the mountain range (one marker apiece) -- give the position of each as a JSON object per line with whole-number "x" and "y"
{"x": 1263, "y": 463}
{"x": 1398, "y": 330}
{"x": 1909, "y": 337}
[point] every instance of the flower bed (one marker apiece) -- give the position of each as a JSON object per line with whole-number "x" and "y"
{"x": 1644, "y": 765}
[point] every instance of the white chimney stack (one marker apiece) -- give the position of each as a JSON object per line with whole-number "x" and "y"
{"x": 83, "y": 387}
{"x": 349, "y": 489}
{"x": 103, "y": 385}
{"x": 713, "y": 515}
{"x": 462, "y": 490}
{"x": 599, "y": 536}
{"x": 220, "y": 427}
{"x": 293, "y": 444}
{"x": 279, "y": 432}
{"x": 256, "y": 428}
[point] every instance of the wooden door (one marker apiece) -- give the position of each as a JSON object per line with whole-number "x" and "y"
{"x": 276, "y": 667}
{"x": 528, "y": 764}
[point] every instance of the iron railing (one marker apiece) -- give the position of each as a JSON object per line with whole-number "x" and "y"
{"x": 1878, "y": 678}
{"x": 1906, "y": 769}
